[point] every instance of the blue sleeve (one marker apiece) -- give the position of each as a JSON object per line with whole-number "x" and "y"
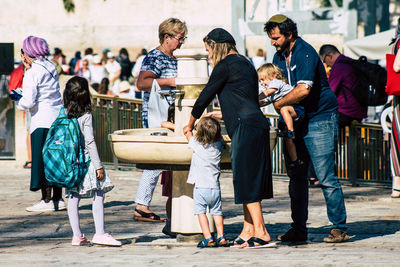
{"x": 151, "y": 63}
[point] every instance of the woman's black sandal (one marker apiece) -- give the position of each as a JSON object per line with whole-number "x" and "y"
{"x": 28, "y": 164}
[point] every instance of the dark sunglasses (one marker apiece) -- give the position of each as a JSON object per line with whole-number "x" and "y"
{"x": 22, "y": 51}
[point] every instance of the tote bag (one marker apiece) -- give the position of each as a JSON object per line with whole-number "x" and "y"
{"x": 393, "y": 78}
{"x": 157, "y": 107}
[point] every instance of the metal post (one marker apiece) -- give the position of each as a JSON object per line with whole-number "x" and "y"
{"x": 352, "y": 155}
{"x": 115, "y": 125}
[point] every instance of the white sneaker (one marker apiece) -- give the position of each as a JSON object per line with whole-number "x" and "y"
{"x": 59, "y": 205}
{"x": 41, "y": 206}
{"x": 106, "y": 240}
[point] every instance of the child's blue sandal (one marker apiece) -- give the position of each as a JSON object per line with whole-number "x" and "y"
{"x": 221, "y": 243}
{"x": 205, "y": 243}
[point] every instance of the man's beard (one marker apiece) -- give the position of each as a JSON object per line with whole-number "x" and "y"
{"x": 284, "y": 46}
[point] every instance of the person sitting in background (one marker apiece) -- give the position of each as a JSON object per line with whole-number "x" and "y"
{"x": 73, "y": 61}
{"x": 88, "y": 56}
{"x": 104, "y": 87}
{"x": 97, "y": 71}
{"x": 125, "y": 90}
{"x": 84, "y": 72}
{"x": 259, "y": 58}
{"x": 138, "y": 63}
{"x": 114, "y": 72}
{"x": 125, "y": 63}
{"x": 104, "y": 58}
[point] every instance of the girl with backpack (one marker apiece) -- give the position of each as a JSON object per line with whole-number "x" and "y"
{"x": 96, "y": 183}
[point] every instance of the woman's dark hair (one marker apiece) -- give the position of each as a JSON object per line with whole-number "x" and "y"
{"x": 124, "y": 51}
{"x": 88, "y": 51}
{"x": 76, "y": 97}
{"x": 103, "y": 87}
{"x": 208, "y": 131}
{"x": 286, "y": 27}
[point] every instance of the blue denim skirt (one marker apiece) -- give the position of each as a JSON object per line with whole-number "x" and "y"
{"x": 251, "y": 164}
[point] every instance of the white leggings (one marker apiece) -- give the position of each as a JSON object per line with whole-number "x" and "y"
{"x": 97, "y": 209}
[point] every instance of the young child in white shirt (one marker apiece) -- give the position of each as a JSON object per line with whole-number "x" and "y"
{"x": 275, "y": 87}
{"x": 207, "y": 145}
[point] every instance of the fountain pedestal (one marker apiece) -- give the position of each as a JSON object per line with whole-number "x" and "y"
{"x": 183, "y": 219}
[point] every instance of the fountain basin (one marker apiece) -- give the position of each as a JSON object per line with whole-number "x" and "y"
{"x": 165, "y": 150}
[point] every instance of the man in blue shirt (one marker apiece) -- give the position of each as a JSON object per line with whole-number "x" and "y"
{"x": 316, "y": 138}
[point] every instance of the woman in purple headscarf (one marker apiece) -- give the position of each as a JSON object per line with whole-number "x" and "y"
{"x": 41, "y": 96}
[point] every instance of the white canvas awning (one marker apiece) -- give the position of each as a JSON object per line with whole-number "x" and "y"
{"x": 374, "y": 47}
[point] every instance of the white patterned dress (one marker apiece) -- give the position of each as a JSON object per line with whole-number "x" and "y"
{"x": 90, "y": 184}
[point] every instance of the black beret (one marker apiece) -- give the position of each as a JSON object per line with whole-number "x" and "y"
{"x": 220, "y": 35}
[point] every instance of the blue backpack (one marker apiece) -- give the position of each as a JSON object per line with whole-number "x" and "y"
{"x": 63, "y": 153}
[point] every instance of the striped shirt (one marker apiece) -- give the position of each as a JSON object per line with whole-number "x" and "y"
{"x": 163, "y": 67}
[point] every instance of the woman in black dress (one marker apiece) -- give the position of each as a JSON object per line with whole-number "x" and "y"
{"x": 235, "y": 81}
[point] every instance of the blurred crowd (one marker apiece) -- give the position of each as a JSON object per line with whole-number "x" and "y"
{"x": 106, "y": 72}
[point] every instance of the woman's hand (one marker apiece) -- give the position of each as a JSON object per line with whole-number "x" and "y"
{"x": 188, "y": 132}
{"x": 187, "y": 129}
{"x": 100, "y": 174}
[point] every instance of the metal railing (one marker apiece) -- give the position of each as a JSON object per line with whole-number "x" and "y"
{"x": 111, "y": 114}
{"x": 362, "y": 157}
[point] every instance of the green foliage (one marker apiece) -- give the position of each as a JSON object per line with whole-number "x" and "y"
{"x": 326, "y": 3}
{"x": 69, "y": 6}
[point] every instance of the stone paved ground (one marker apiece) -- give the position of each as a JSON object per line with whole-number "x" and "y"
{"x": 44, "y": 239}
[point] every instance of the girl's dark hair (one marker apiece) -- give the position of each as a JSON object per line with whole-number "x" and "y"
{"x": 171, "y": 113}
{"x": 103, "y": 87}
{"x": 208, "y": 131}
{"x": 286, "y": 28}
{"x": 76, "y": 97}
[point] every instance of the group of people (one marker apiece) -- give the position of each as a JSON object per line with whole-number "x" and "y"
{"x": 106, "y": 72}
{"x": 235, "y": 81}
{"x": 295, "y": 82}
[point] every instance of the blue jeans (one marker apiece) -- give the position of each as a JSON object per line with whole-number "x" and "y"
{"x": 320, "y": 143}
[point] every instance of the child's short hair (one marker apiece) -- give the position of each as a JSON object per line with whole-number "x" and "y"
{"x": 76, "y": 97}
{"x": 271, "y": 71}
{"x": 208, "y": 131}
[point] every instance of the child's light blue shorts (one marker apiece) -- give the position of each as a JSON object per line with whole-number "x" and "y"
{"x": 207, "y": 197}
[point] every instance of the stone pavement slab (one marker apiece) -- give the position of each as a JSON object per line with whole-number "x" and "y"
{"x": 44, "y": 239}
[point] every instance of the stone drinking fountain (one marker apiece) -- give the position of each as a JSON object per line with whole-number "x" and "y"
{"x": 164, "y": 149}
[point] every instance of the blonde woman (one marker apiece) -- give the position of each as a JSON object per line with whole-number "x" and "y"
{"x": 234, "y": 80}
{"x": 160, "y": 65}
